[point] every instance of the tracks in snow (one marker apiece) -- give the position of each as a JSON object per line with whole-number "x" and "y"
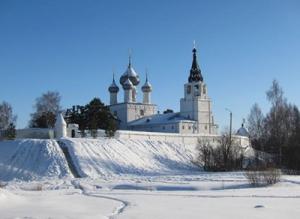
{"x": 117, "y": 211}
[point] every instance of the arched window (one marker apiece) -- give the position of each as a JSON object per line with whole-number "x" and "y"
{"x": 142, "y": 112}
{"x": 188, "y": 89}
{"x": 73, "y": 134}
{"x": 196, "y": 90}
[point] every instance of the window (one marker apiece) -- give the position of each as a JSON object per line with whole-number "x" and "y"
{"x": 163, "y": 127}
{"x": 73, "y": 133}
{"x": 189, "y": 89}
{"x": 206, "y": 127}
{"x": 142, "y": 112}
{"x": 183, "y": 127}
{"x": 189, "y": 127}
{"x": 115, "y": 113}
{"x": 172, "y": 127}
{"x": 196, "y": 92}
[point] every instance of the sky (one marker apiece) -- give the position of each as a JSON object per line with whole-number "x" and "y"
{"x": 74, "y": 46}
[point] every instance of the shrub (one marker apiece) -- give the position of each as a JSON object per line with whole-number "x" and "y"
{"x": 263, "y": 177}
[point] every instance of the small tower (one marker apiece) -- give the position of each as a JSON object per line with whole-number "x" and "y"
{"x": 113, "y": 90}
{"x": 128, "y": 87}
{"x": 147, "y": 89}
{"x": 60, "y": 128}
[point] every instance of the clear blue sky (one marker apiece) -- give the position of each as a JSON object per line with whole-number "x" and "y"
{"x": 72, "y": 47}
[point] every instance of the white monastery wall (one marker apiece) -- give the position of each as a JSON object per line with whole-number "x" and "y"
{"x": 38, "y": 133}
{"x": 188, "y": 139}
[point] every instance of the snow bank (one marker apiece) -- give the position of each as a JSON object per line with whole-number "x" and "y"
{"x": 31, "y": 159}
{"x": 109, "y": 157}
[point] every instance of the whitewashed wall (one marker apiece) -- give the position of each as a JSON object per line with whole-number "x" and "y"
{"x": 38, "y": 133}
{"x": 188, "y": 139}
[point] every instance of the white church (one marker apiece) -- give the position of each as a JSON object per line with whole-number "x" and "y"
{"x": 195, "y": 116}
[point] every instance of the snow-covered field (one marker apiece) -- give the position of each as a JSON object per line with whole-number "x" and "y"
{"x": 125, "y": 179}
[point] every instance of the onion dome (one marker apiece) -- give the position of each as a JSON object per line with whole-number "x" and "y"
{"x": 242, "y": 131}
{"x": 147, "y": 87}
{"x": 130, "y": 74}
{"x": 128, "y": 85}
{"x": 195, "y": 72}
{"x": 113, "y": 88}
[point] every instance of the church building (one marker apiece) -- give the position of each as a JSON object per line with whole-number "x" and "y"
{"x": 195, "y": 116}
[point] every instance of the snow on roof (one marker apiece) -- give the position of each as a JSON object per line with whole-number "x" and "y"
{"x": 130, "y": 72}
{"x": 159, "y": 119}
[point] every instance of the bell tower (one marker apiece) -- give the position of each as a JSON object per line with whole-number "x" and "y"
{"x": 196, "y": 105}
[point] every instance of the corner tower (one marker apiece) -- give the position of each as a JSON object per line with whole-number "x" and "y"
{"x": 196, "y": 105}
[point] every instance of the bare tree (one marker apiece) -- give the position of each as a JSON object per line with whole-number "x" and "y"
{"x": 275, "y": 94}
{"x": 6, "y": 115}
{"x": 226, "y": 155}
{"x": 46, "y": 108}
{"x": 278, "y": 121}
{"x": 255, "y": 126}
{"x": 255, "y": 122}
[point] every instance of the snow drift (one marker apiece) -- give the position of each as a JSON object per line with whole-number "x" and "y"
{"x": 109, "y": 157}
{"x": 31, "y": 159}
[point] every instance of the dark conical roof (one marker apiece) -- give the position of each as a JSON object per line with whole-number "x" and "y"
{"x": 195, "y": 72}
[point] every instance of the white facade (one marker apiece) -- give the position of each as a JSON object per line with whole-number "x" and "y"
{"x": 196, "y": 105}
{"x": 127, "y": 112}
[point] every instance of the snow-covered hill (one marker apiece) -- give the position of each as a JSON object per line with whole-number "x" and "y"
{"x": 31, "y": 159}
{"x": 109, "y": 157}
{"x": 96, "y": 158}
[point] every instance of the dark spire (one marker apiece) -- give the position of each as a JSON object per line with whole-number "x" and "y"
{"x": 195, "y": 72}
{"x": 129, "y": 63}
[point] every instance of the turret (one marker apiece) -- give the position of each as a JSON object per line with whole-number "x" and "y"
{"x": 147, "y": 89}
{"x": 60, "y": 128}
{"x": 113, "y": 90}
{"x": 128, "y": 87}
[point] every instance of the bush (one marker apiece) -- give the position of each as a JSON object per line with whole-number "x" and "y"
{"x": 263, "y": 177}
